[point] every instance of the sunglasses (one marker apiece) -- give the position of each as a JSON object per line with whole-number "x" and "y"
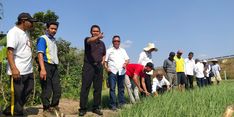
{"x": 116, "y": 41}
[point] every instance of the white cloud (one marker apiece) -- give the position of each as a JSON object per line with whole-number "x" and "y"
{"x": 126, "y": 44}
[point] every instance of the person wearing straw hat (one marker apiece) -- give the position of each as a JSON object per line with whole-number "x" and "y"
{"x": 216, "y": 70}
{"x": 20, "y": 69}
{"x": 144, "y": 58}
{"x": 207, "y": 69}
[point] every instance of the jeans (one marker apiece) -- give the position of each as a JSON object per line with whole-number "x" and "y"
{"x": 190, "y": 81}
{"x": 112, "y": 80}
{"x": 200, "y": 82}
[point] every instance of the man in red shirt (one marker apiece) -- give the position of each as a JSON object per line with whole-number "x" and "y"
{"x": 133, "y": 72}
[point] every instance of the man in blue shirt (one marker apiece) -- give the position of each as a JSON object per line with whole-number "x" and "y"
{"x": 48, "y": 61}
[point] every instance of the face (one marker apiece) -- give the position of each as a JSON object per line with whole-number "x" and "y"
{"x": 147, "y": 69}
{"x": 179, "y": 54}
{"x": 52, "y": 30}
{"x": 95, "y": 31}
{"x": 190, "y": 56}
{"x": 116, "y": 42}
{"x": 27, "y": 24}
{"x": 159, "y": 77}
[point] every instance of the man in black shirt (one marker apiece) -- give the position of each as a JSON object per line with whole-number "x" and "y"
{"x": 94, "y": 57}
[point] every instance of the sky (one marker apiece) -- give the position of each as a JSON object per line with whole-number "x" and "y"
{"x": 205, "y": 27}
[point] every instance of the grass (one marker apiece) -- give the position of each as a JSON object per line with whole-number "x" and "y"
{"x": 205, "y": 102}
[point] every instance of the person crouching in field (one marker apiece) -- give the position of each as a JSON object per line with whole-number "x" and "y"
{"x": 160, "y": 83}
{"x": 216, "y": 71}
{"x": 133, "y": 72}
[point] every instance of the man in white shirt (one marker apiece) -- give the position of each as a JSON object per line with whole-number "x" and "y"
{"x": 189, "y": 69}
{"x": 20, "y": 69}
{"x": 144, "y": 58}
{"x": 216, "y": 71}
{"x": 115, "y": 64}
{"x": 199, "y": 72}
{"x": 160, "y": 83}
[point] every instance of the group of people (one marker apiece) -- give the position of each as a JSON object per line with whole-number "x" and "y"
{"x": 138, "y": 78}
{"x": 184, "y": 71}
{"x": 20, "y": 66}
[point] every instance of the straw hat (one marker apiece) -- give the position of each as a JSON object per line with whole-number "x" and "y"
{"x": 150, "y": 46}
{"x": 215, "y": 60}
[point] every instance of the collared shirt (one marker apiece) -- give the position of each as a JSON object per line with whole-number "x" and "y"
{"x": 189, "y": 66}
{"x": 46, "y": 44}
{"x": 170, "y": 66}
{"x": 20, "y": 41}
{"x": 145, "y": 57}
{"x": 135, "y": 69}
{"x": 179, "y": 64}
{"x": 94, "y": 51}
{"x": 199, "y": 70}
{"x": 215, "y": 69}
{"x": 115, "y": 59}
{"x": 157, "y": 83}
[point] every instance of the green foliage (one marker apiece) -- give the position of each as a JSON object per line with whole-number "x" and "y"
{"x": 205, "y": 102}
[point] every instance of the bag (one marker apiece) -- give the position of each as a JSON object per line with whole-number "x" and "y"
{"x": 211, "y": 74}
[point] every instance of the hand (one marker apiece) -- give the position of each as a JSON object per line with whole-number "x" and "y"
{"x": 155, "y": 94}
{"x": 141, "y": 90}
{"x": 100, "y": 36}
{"x": 43, "y": 74}
{"x": 15, "y": 73}
{"x": 124, "y": 65}
{"x": 147, "y": 93}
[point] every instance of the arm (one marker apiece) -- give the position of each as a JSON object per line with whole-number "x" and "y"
{"x": 136, "y": 82}
{"x": 10, "y": 58}
{"x": 42, "y": 66}
{"x": 165, "y": 66}
{"x": 144, "y": 86}
{"x": 41, "y": 49}
{"x": 106, "y": 66}
{"x": 95, "y": 38}
{"x": 125, "y": 63}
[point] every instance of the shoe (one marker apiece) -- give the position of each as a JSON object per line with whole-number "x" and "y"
{"x": 49, "y": 113}
{"x": 82, "y": 113}
{"x": 97, "y": 111}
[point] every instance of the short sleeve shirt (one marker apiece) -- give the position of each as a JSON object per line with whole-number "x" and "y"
{"x": 46, "y": 44}
{"x": 94, "y": 51}
{"x": 19, "y": 40}
{"x": 135, "y": 69}
{"x": 115, "y": 59}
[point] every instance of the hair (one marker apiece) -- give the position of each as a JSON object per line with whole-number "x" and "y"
{"x": 115, "y": 36}
{"x": 190, "y": 53}
{"x": 95, "y": 26}
{"x": 52, "y": 23}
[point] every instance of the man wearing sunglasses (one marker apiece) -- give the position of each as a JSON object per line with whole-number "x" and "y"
{"x": 115, "y": 64}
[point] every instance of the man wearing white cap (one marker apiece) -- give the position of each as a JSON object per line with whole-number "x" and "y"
{"x": 180, "y": 70}
{"x": 216, "y": 70}
{"x": 144, "y": 58}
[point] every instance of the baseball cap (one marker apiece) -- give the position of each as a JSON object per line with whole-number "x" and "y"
{"x": 26, "y": 16}
{"x": 150, "y": 65}
{"x": 179, "y": 52}
{"x": 172, "y": 54}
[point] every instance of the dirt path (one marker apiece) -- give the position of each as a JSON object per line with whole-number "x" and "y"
{"x": 69, "y": 108}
